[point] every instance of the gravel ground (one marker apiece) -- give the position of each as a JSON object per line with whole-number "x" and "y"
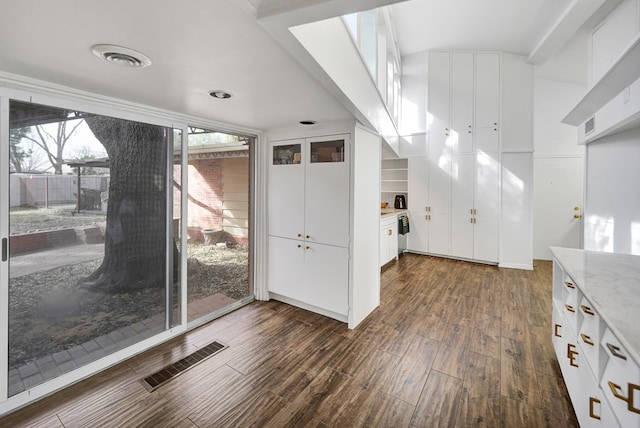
{"x": 25, "y": 219}
{"x": 49, "y": 311}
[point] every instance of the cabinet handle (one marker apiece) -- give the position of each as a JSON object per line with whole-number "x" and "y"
{"x": 308, "y": 237}
{"x": 299, "y": 235}
{"x": 390, "y": 232}
{"x": 471, "y": 211}
{"x": 592, "y": 401}
{"x": 615, "y": 351}
{"x": 555, "y": 330}
{"x": 572, "y": 354}
{"x": 587, "y": 310}
{"x": 570, "y": 308}
{"x": 569, "y": 284}
{"x": 307, "y": 247}
{"x": 427, "y": 217}
{"x": 299, "y": 246}
{"x": 615, "y": 390}
{"x": 586, "y": 339}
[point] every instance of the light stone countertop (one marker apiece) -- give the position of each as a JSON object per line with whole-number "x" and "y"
{"x": 388, "y": 212}
{"x": 611, "y": 282}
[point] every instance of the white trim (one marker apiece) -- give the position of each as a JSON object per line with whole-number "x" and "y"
{"x": 68, "y": 96}
{"x": 517, "y": 151}
{"x": 559, "y": 156}
{"x": 515, "y": 266}
{"x": 308, "y": 307}
{"x": 4, "y": 234}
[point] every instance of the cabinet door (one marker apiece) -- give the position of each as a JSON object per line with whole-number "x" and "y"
{"x": 384, "y": 245}
{"x": 462, "y": 177}
{"x": 286, "y": 267}
{"x": 487, "y": 139}
{"x": 327, "y": 190}
{"x": 461, "y": 102}
{"x": 487, "y": 90}
{"x": 393, "y": 240}
{"x": 439, "y": 183}
{"x": 327, "y": 277}
{"x": 286, "y": 189}
{"x": 418, "y": 183}
{"x": 487, "y": 184}
{"x": 418, "y": 239}
{"x": 485, "y": 239}
{"x": 462, "y": 236}
{"x": 439, "y": 102}
{"x": 439, "y": 234}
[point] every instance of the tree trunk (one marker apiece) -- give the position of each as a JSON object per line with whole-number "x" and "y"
{"x": 135, "y": 237}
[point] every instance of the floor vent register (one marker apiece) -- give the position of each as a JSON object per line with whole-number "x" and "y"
{"x": 156, "y": 380}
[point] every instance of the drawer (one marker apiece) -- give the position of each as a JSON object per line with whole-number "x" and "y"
{"x": 572, "y": 298}
{"x": 589, "y": 337}
{"x": 621, "y": 382}
{"x": 557, "y": 333}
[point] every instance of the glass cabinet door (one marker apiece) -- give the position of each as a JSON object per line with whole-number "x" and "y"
{"x": 327, "y": 151}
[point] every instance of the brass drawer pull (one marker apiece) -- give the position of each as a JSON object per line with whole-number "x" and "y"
{"x": 555, "y": 330}
{"x": 616, "y": 391}
{"x": 592, "y": 414}
{"x": 587, "y": 310}
{"x": 586, "y": 339}
{"x": 615, "y": 351}
{"x": 570, "y": 308}
{"x": 572, "y": 354}
{"x": 569, "y": 284}
{"x": 390, "y": 232}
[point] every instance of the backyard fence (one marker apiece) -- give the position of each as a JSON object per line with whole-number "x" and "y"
{"x": 45, "y": 190}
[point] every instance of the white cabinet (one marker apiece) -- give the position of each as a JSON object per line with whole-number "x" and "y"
{"x": 602, "y": 376}
{"x": 429, "y": 204}
{"x": 388, "y": 239}
{"x": 474, "y": 206}
{"x": 309, "y": 218}
{"x": 308, "y": 272}
{"x": 473, "y": 91}
{"x": 455, "y": 190}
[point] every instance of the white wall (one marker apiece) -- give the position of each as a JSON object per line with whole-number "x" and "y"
{"x": 612, "y": 218}
{"x": 365, "y": 291}
{"x": 557, "y": 168}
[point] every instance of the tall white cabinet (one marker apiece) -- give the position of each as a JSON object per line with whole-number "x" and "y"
{"x": 315, "y": 188}
{"x": 454, "y": 191}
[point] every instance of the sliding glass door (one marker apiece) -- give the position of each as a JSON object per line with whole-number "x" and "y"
{"x": 93, "y": 266}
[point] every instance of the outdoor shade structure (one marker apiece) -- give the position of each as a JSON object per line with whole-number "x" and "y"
{"x": 88, "y": 163}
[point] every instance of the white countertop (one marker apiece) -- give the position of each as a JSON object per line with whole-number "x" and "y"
{"x": 611, "y": 282}
{"x": 387, "y": 212}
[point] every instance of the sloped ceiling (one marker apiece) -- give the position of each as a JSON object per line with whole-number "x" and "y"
{"x": 195, "y": 46}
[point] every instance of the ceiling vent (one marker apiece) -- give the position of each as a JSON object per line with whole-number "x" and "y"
{"x": 121, "y": 56}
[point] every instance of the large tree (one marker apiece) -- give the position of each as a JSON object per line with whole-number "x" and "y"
{"x": 135, "y": 244}
{"x": 54, "y": 140}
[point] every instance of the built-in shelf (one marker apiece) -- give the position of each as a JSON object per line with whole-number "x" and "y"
{"x": 623, "y": 73}
{"x": 395, "y": 178}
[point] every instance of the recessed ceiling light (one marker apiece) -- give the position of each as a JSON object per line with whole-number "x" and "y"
{"x": 121, "y": 56}
{"x": 308, "y": 122}
{"x": 220, "y": 94}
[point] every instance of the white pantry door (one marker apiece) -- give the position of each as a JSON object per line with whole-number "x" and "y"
{"x": 558, "y": 191}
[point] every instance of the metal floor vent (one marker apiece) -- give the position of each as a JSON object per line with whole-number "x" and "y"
{"x": 171, "y": 371}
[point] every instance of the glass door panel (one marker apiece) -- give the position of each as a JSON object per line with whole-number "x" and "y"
{"x": 218, "y": 224}
{"x": 88, "y": 254}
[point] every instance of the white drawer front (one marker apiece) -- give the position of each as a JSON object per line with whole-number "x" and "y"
{"x": 621, "y": 382}
{"x": 589, "y": 336}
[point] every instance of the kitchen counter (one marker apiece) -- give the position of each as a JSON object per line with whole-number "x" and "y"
{"x": 388, "y": 212}
{"x": 611, "y": 282}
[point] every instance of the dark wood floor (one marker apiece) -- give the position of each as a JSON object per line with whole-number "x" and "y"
{"x": 453, "y": 344}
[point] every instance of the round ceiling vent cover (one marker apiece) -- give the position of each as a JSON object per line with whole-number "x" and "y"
{"x": 120, "y": 55}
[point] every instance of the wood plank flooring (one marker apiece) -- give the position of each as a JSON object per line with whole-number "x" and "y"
{"x": 453, "y": 344}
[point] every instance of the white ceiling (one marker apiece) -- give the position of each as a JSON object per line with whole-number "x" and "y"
{"x": 514, "y": 26}
{"x": 200, "y": 45}
{"x": 195, "y": 46}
